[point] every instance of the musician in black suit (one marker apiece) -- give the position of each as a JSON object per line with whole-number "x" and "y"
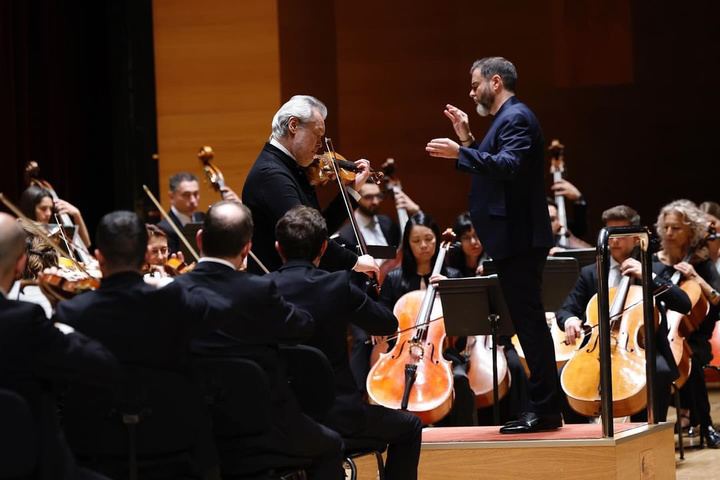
{"x": 277, "y": 182}
{"x": 262, "y": 319}
{"x": 140, "y": 324}
{"x": 34, "y": 354}
{"x": 184, "y": 197}
{"x": 571, "y": 316}
{"x": 509, "y": 213}
{"x": 334, "y": 302}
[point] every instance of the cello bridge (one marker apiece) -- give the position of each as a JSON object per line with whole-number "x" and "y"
{"x": 417, "y": 351}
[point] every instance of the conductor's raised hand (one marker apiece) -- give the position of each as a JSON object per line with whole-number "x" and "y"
{"x": 443, "y": 148}
{"x": 459, "y": 120}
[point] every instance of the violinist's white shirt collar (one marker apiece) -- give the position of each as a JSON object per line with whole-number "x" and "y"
{"x": 217, "y": 260}
{"x": 281, "y": 147}
{"x": 184, "y": 219}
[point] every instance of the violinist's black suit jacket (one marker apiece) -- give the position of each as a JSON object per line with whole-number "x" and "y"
{"x": 275, "y": 184}
{"x": 173, "y": 239}
{"x": 262, "y": 319}
{"x": 33, "y": 354}
{"x": 140, "y": 324}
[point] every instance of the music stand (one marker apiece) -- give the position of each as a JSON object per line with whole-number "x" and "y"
{"x": 483, "y": 297}
{"x": 190, "y": 231}
{"x": 385, "y": 252}
{"x": 559, "y": 277}
{"x": 584, "y": 256}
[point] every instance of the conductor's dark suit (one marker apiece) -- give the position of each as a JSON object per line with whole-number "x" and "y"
{"x": 674, "y": 298}
{"x": 509, "y": 212}
{"x": 262, "y": 319}
{"x": 334, "y": 301}
{"x": 275, "y": 184}
{"x": 173, "y": 239}
{"x": 34, "y": 354}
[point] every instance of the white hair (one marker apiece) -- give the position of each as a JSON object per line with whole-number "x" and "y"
{"x": 301, "y": 107}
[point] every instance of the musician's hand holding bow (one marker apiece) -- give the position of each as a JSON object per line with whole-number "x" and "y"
{"x": 366, "y": 264}
{"x": 362, "y": 175}
{"x": 573, "y": 330}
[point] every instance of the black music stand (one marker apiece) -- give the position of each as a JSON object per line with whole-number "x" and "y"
{"x": 559, "y": 277}
{"x": 385, "y": 252}
{"x": 190, "y": 232}
{"x": 483, "y": 297}
{"x": 584, "y": 256}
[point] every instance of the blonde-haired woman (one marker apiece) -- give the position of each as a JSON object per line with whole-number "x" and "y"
{"x": 682, "y": 227}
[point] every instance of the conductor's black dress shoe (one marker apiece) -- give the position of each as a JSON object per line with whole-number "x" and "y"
{"x": 533, "y": 422}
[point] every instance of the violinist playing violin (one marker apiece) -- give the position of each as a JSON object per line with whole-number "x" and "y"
{"x": 682, "y": 227}
{"x": 571, "y": 316}
{"x": 334, "y": 302}
{"x": 277, "y": 182}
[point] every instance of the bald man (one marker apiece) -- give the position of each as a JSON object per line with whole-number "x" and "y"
{"x": 33, "y": 350}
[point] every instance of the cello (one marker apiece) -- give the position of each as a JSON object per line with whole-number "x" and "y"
{"x": 581, "y": 376}
{"x": 480, "y": 374}
{"x": 392, "y": 184}
{"x": 414, "y": 376}
{"x": 557, "y": 168}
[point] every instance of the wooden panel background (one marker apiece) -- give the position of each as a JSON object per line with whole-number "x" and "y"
{"x": 217, "y": 70}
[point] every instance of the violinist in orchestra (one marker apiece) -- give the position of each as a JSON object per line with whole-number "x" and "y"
{"x": 335, "y": 302}
{"x": 37, "y": 204}
{"x": 469, "y": 259}
{"x": 712, "y": 215}
{"x": 184, "y": 195}
{"x": 278, "y": 181}
{"x": 421, "y": 244}
{"x": 508, "y": 210}
{"x": 262, "y": 319}
{"x": 682, "y": 228}
{"x": 35, "y": 356}
{"x": 571, "y": 316}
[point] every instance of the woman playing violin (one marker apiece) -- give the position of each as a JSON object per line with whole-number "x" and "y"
{"x": 682, "y": 227}
{"x": 37, "y": 204}
{"x": 421, "y": 242}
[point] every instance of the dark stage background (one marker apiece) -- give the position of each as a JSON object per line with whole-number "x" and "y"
{"x": 628, "y": 87}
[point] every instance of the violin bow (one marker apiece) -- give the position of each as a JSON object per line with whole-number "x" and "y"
{"x": 39, "y": 232}
{"x": 172, "y": 224}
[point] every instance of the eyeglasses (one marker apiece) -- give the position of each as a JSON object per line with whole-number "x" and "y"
{"x": 369, "y": 196}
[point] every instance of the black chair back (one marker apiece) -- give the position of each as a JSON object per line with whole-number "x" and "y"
{"x": 311, "y": 378}
{"x": 18, "y": 446}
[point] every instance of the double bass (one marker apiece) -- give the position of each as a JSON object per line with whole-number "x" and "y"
{"x": 581, "y": 376}
{"x": 414, "y": 376}
{"x": 557, "y": 168}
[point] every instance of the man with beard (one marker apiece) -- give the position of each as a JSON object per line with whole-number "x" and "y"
{"x": 509, "y": 212}
{"x": 277, "y": 182}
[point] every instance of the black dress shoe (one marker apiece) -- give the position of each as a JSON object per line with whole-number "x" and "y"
{"x": 709, "y": 436}
{"x": 533, "y": 422}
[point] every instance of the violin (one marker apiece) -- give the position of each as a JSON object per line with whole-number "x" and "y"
{"x": 321, "y": 171}
{"x": 557, "y": 168}
{"x": 414, "y": 376}
{"x": 581, "y": 376}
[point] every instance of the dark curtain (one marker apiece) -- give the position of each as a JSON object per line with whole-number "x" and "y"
{"x": 77, "y": 97}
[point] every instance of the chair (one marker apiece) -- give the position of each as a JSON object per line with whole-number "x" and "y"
{"x": 18, "y": 446}
{"x": 315, "y": 393}
{"x": 152, "y": 423}
{"x": 237, "y": 392}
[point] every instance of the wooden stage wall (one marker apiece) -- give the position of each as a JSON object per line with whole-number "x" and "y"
{"x": 605, "y": 77}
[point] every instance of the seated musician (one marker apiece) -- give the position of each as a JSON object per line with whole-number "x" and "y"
{"x": 571, "y": 316}
{"x": 334, "y": 302}
{"x": 184, "y": 195}
{"x": 421, "y": 244}
{"x": 278, "y": 181}
{"x": 577, "y": 225}
{"x": 377, "y": 229}
{"x": 681, "y": 226}
{"x": 262, "y": 319}
{"x": 33, "y": 351}
{"x": 37, "y": 204}
{"x": 469, "y": 259}
{"x": 712, "y": 215}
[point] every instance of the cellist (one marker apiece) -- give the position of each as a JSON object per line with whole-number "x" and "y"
{"x": 421, "y": 244}
{"x": 571, "y": 316}
{"x": 682, "y": 226}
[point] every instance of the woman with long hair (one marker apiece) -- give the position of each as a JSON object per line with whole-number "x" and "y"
{"x": 38, "y": 205}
